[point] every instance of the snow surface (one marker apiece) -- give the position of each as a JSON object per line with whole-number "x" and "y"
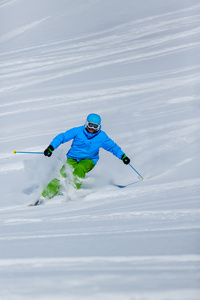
{"x": 137, "y": 64}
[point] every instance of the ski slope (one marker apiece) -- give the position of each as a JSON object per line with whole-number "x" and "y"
{"x": 136, "y": 64}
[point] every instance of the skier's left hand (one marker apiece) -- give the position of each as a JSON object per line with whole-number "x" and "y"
{"x": 125, "y": 159}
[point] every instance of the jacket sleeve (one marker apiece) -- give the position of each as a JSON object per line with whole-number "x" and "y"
{"x": 111, "y": 146}
{"x": 64, "y": 137}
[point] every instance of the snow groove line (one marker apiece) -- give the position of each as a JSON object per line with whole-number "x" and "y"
{"x": 102, "y": 233}
{"x": 32, "y": 66}
{"x": 131, "y": 58}
{"x": 120, "y": 79}
{"x": 103, "y": 94}
{"x": 156, "y": 20}
{"x": 108, "y": 41}
{"x": 157, "y": 214}
{"x": 72, "y": 261}
{"x": 7, "y": 2}
{"x": 11, "y": 167}
{"x": 136, "y": 86}
{"x": 21, "y": 30}
{"x": 157, "y": 188}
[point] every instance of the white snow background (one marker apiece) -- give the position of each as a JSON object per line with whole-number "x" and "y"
{"x": 137, "y": 64}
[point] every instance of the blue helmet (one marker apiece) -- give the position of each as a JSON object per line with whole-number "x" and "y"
{"x": 94, "y": 118}
{"x": 93, "y": 122}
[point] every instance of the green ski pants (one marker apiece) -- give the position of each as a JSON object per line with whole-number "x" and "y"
{"x": 79, "y": 171}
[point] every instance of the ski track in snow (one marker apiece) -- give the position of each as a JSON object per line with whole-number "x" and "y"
{"x": 7, "y": 2}
{"x": 21, "y": 30}
{"x": 131, "y": 42}
{"x": 110, "y": 267}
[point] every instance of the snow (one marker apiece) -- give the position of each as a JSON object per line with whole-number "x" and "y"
{"x": 137, "y": 64}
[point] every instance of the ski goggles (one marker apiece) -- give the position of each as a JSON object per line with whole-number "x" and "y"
{"x": 93, "y": 125}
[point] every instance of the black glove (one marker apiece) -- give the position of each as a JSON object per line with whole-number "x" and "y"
{"x": 48, "y": 152}
{"x": 125, "y": 159}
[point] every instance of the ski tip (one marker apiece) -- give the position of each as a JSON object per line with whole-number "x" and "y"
{"x": 15, "y": 151}
{"x": 38, "y": 202}
{"x": 120, "y": 186}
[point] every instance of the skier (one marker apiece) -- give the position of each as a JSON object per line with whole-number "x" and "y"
{"x": 84, "y": 152}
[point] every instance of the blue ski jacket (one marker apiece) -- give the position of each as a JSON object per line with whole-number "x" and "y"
{"x": 86, "y": 145}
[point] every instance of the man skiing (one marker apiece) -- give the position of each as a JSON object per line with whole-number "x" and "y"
{"x": 84, "y": 152}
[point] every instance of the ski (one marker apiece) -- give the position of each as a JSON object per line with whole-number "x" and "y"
{"x": 118, "y": 185}
{"x": 124, "y": 186}
{"x": 38, "y": 202}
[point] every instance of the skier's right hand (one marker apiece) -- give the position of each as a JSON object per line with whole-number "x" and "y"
{"x": 125, "y": 159}
{"x": 48, "y": 152}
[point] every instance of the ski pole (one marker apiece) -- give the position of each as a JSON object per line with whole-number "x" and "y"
{"x": 137, "y": 172}
{"x": 27, "y": 152}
